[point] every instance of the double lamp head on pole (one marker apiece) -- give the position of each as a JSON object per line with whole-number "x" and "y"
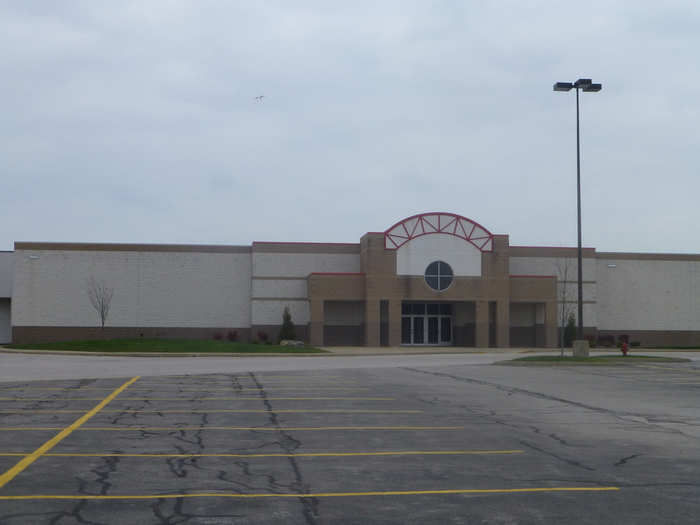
{"x": 587, "y": 85}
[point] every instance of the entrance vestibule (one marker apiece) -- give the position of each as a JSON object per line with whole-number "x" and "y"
{"x": 426, "y": 324}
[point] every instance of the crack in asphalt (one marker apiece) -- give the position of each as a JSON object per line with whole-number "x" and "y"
{"x": 75, "y": 513}
{"x": 625, "y": 460}
{"x": 178, "y": 515}
{"x": 622, "y": 415}
{"x": 110, "y": 463}
{"x": 493, "y": 416}
{"x": 190, "y": 445}
{"x": 289, "y": 444}
{"x": 571, "y": 462}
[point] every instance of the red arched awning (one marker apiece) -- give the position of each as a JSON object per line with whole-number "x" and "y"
{"x": 438, "y": 222}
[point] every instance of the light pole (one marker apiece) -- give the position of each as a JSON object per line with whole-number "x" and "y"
{"x": 585, "y": 84}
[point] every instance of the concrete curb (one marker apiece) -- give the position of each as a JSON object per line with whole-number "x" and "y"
{"x": 328, "y": 353}
{"x": 356, "y": 352}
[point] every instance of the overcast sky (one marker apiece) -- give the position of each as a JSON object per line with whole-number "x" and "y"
{"x": 137, "y": 121}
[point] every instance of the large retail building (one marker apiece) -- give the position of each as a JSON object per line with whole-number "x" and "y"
{"x": 430, "y": 279}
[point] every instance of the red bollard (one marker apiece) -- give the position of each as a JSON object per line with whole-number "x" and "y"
{"x": 623, "y": 347}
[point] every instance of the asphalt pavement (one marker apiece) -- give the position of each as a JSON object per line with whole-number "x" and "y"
{"x": 419, "y": 440}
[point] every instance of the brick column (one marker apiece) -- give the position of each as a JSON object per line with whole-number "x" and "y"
{"x": 372, "y": 322}
{"x": 394, "y": 323}
{"x": 317, "y": 321}
{"x": 551, "y": 330}
{"x": 503, "y": 324}
{"x": 482, "y": 324}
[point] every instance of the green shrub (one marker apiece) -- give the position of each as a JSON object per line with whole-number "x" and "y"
{"x": 570, "y": 330}
{"x": 288, "y": 331}
{"x": 606, "y": 340}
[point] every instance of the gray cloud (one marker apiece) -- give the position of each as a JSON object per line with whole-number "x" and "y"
{"x": 136, "y": 121}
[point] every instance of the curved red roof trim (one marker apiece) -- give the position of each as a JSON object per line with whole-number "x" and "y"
{"x": 438, "y": 222}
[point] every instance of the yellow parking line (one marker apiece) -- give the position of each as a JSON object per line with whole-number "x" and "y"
{"x": 261, "y": 380}
{"x": 10, "y": 474}
{"x": 213, "y": 411}
{"x": 254, "y": 429}
{"x": 305, "y": 495}
{"x": 246, "y": 376}
{"x": 239, "y": 398}
{"x": 250, "y": 384}
{"x": 300, "y": 454}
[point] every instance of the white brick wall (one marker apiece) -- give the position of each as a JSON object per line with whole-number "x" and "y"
{"x": 270, "y": 312}
{"x": 415, "y": 256}
{"x": 648, "y": 295}
{"x": 548, "y": 266}
{"x": 302, "y": 264}
{"x": 167, "y": 289}
{"x": 279, "y": 288}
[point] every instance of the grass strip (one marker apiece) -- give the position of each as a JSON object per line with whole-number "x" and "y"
{"x": 610, "y": 359}
{"x": 166, "y": 346}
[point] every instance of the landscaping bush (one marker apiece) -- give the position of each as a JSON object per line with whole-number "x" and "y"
{"x": 635, "y": 343}
{"x": 288, "y": 331}
{"x": 570, "y": 331}
{"x": 606, "y": 340}
{"x": 232, "y": 335}
{"x": 591, "y": 340}
{"x": 218, "y": 336}
{"x": 262, "y": 337}
{"x": 623, "y": 338}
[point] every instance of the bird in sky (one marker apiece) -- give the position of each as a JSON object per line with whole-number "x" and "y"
{"x": 259, "y": 98}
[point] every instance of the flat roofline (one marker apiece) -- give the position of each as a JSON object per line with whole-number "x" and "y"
{"x": 127, "y": 247}
{"x": 649, "y": 256}
{"x": 306, "y": 247}
{"x": 549, "y": 251}
{"x": 553, "y": 247}
{"x": 305, "y": 243}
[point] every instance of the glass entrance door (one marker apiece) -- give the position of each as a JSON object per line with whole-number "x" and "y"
{"x": 433, "y": 330}
{"x": 426, "y": 324}
{"x": 418, "y": 330}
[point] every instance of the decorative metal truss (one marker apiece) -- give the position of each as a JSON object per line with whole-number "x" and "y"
{"x": 438, "y": 222}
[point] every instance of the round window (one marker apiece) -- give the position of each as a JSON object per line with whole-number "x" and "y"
{"x": 438, "y": 275}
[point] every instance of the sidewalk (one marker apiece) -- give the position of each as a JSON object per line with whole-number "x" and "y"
{"x": 333, "y": 351}
{"x": 417, "y": 350}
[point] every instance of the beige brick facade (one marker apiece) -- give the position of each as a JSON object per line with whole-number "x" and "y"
{"x": 378, "y": 281}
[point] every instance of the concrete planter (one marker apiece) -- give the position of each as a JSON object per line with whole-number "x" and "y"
{"x": 581, "y": 348}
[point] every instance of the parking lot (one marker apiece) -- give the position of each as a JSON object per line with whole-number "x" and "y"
{"x": 458, "y": 444}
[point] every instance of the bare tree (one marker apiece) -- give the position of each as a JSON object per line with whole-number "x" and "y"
{"x": 566, "y": 308}
{"x": 100, "y": 296}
